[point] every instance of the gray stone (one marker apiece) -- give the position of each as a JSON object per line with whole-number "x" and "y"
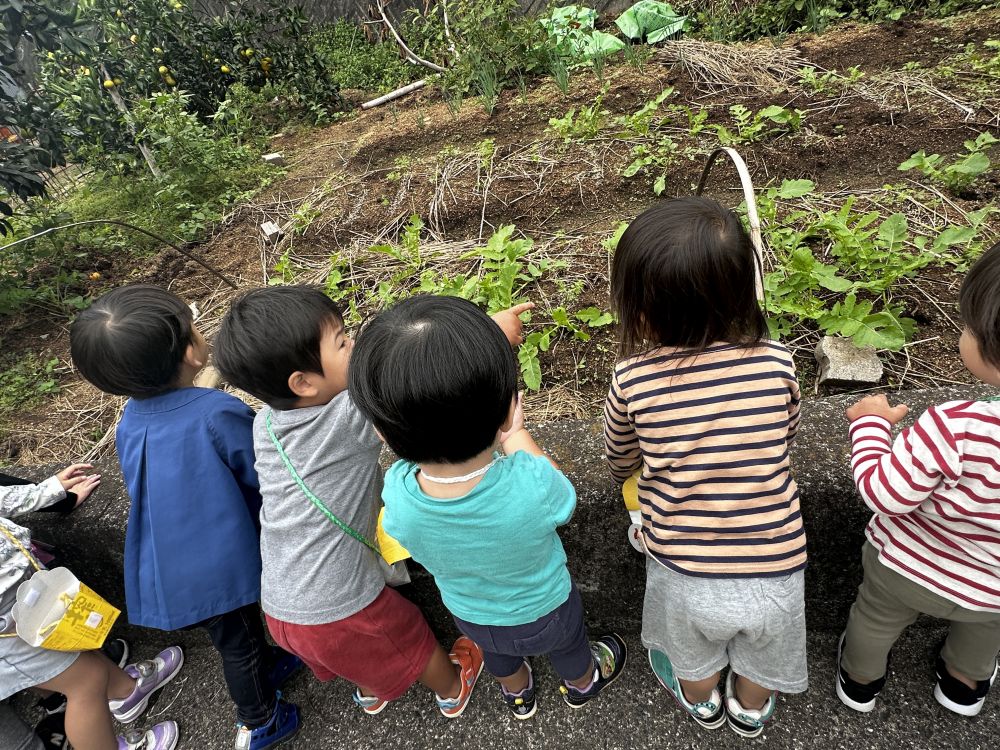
{"x": 272, "y": 232}
{"x": 275, "y": 160}
{"x": 841, "y": 363}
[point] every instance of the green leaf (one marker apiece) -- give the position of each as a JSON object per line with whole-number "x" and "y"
{"x": 892, "y": 232}
{"x": 594, "y": 317}
{"x": 531, "y": 370}
{"x": 660, "y": 184}
{"x": 795, "y": 188}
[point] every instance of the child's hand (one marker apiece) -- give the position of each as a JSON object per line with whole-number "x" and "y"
{"x": 877, "y": 406}
{"x": 511, "y": 324}
{"x": 517, "y": 422}
{"x": 74, "y": 478}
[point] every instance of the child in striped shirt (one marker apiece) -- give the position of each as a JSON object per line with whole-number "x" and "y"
{"x": 705, "y": 406}
{"x": 933, "y": 545}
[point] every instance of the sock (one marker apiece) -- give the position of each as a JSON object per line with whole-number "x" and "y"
{"x": 526, "y": 688}
{"x": 593, "y": 678}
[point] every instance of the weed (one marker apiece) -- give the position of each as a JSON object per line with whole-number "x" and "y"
{"x": 26, "y": 381}
{"x": 750, "y": 127}
{"x": 959, "y": 173}
{"x": 580, "y": 125}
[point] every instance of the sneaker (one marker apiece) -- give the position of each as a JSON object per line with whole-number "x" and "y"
{"x": 370, "y": 704}
{"x": 745, "y": 721}
{"x": 150, "y": 676}
{"x": 710, "y": 714}
{"x": 117, "y": 650}
{"x": 52, "y": 704}
{"x": 610, "y": 654}
{"x": 469, "y": 658}
{"x": 957, "y": 696}
{"x": 163, "y": 736}
{"x": 284, "y": 668}
{"x": 51, "y": 730}
{"x": 854, "y": 694}
{"x": 522, "y": 704}
{"x": 282, "y": 726}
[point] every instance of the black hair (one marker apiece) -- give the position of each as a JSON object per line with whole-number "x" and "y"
{"x": 270, "y": 333}
{"x": 685, "y": 275}
{"x": 132, "y": 340}
{"x": 979, "y": 304}
{"x": 436, "y": 377}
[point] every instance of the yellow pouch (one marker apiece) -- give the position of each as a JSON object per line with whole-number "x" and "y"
{"x": 55, "y": 611}
{"x": 630, "y": 492}
{"x": 392, "y": 551}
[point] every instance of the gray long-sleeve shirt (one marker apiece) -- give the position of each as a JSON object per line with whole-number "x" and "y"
{"x": 314, "y": 573}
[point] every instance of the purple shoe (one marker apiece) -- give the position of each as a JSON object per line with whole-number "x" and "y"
{"x": 150, "y": 676}
{"x": 163, "y": 736}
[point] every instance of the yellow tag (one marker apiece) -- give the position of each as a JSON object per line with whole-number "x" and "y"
{"x": 391, "y": 550}
{"x": 630, "y": 492}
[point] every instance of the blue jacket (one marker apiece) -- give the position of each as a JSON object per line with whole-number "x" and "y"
{"x": 192, "y": 548}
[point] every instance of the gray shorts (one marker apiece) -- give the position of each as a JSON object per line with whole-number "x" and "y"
{"x": 757, "y": 625}
{"x": 23, "y": 666}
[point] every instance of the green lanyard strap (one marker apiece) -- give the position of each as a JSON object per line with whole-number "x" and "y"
{"x": 308, "y": 493}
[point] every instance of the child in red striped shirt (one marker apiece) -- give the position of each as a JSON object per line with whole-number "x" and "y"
{"x": 933, "y": 545}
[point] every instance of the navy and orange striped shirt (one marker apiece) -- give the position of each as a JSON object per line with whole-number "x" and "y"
{"x": 710, "y": 432}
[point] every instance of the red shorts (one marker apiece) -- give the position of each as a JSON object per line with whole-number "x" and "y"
{"x": 384, "y": 648}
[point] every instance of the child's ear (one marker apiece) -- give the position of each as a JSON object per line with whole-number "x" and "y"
{"x": 191, "y": 358}
{"x": 301, "y": 384}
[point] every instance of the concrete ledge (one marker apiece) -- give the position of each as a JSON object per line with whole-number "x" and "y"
{"x": 636, "y": 713}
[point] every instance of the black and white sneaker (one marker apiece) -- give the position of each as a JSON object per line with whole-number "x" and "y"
{"x": 610, "y": 655}
{"x": 118, "y": 651}
{"x": 956, "y": 695}
{"x": 522, "y": 704}
{"x": 853, "y": 694}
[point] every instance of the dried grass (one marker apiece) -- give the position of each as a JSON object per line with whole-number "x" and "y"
{"x": 715, "y": 68}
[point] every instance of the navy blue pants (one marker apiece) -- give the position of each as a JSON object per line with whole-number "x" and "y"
{"x": 561, "y": 635}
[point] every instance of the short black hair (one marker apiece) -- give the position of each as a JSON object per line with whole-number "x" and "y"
{"x": 132, "y": 340}
{"x": 979, "y": 304}
{"x": 436, "y": 377}
{"x": 270, "y": 333}
{"x": 685, "y": 274}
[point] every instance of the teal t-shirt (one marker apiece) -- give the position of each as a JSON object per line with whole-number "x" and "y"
{"x": 494, "y": 553}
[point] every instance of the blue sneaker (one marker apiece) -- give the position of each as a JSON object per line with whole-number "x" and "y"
{"x": 282, "y": 726}
{"x": 284, "y": 668}
{"x": 710, "y": 714}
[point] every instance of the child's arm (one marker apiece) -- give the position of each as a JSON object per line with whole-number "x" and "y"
{"x": 894, "y": 478}
{"x": 621, "y": 444}
{"x": 517, "y": 438}
{"x": 231, "y": 427}
{"x": 23, "y": 498}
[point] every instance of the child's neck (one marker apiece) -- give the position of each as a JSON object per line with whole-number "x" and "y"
{"x": 446, "y": 471}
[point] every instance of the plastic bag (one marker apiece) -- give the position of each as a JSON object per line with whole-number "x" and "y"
{"x": 650, "y": 20}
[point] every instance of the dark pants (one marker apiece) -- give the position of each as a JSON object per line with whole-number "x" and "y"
{"x": 247, "y": 661}
{"x": 561, "y": 635}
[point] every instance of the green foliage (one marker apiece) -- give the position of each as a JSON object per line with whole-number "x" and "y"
{"x": 750, "y": 127}
{"x": 26, "y": 381}
{"x": 582, "y": 125}
{"x": 961, "y": 171}
{"x": 145, "y": 47}
{"x": 848, "y": 289}
{"x": 829, "y": 82}
{"x": 355, "y": 63}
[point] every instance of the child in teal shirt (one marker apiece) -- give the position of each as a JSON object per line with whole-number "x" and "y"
{"x": 438, "y": 380}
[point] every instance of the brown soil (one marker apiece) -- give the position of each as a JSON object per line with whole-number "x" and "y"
{"x": 381, "y": 166}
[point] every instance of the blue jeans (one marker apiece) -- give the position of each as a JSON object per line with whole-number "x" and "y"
{"x": 561, "y": 635}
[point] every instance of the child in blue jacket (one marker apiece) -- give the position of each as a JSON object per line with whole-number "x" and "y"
{"x": 192, "y": 553}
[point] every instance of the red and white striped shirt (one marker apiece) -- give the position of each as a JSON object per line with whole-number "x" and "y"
{"x": 936, "y": 496}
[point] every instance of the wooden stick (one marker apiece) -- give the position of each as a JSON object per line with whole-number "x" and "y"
{"x": 409, "y": 88}
{"x": 410, "y": 54}
{"x": 147, "y": 154}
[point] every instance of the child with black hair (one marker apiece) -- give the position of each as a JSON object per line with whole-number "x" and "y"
{"x": 324, "y": 591}
{"x": 192, "y": 555}
{"x": 933, "y": 545}
{"x": 437, "y": 379}
{"x": 706, "y": 407}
